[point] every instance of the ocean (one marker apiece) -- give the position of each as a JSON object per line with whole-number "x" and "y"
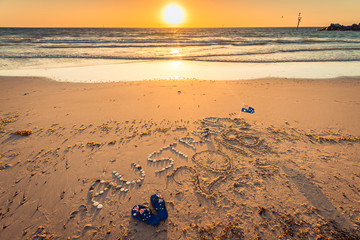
{"x": 29, "y": 51}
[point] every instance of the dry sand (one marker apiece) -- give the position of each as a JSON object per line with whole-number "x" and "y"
{"x": 289, "y": 171}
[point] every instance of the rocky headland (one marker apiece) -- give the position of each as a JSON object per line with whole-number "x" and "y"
{"x": 339, "y": 27}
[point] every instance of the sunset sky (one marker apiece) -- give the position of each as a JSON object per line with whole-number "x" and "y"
{"x": 199, "y": 13}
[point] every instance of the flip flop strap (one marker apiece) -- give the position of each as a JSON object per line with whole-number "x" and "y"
{"x": 156, "y": 198}
{"x": 143, "y": 207}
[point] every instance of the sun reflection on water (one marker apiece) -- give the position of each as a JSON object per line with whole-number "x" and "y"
{"x": 176, "y": 63}
{"x": 175, "y": 52}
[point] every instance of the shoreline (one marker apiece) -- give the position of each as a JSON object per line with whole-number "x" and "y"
{"x": 288, "y": 170}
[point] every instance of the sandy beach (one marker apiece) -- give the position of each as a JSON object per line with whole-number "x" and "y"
{"x": 291, "y": 170}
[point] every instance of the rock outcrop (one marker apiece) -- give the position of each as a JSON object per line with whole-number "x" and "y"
{"x": 339, "y": 27}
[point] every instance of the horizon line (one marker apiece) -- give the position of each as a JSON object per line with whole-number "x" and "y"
{"x": 155, "y": 27}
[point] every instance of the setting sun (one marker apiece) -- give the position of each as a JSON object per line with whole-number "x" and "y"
{"x": 173, "y": 14}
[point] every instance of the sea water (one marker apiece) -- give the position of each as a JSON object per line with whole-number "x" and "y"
{"x": 126, "y": 54}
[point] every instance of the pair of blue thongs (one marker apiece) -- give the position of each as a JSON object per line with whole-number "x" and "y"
{"x": 145, "y": 214}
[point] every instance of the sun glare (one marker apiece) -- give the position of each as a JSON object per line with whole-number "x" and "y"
{"x": 173, "y": 14}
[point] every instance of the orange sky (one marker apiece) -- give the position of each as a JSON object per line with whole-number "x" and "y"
{"x": 200, "y": 13}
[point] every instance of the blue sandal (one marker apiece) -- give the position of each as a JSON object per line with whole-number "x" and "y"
{"x": 158, "y": 203}
{"x": 145, "y": 215}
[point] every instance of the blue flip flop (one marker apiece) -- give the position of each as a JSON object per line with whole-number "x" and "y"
{"x": 158, "y": 203}
{"x": 145, "y": 215}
